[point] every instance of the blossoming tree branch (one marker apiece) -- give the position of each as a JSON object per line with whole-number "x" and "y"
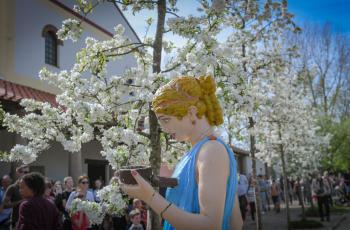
{"x": 94, "y": 105}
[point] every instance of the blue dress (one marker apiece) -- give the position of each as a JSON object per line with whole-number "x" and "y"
{"x": 185, "y": 194}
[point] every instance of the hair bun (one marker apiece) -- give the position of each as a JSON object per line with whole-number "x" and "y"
{"x": 207, "y": 84}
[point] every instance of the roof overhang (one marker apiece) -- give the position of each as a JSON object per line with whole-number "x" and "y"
{"x": 10, "y": 91}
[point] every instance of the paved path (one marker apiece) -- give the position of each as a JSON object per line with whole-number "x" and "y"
{"x": 345, "y": 224}
{"x": 278, "y": 221}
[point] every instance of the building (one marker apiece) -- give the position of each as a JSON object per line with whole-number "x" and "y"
{"x": 244, "y": 163}
{"x": 28, "y": 42}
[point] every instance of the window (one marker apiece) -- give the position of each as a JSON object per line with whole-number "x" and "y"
{"x": 51, "y": 45}
{"x": 51, "y": 49}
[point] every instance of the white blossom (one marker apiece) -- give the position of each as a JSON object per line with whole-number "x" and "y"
{"x": 71, "y": 29}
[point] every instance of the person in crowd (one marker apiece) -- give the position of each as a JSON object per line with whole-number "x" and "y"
{"x": 79, "y": 219}
{"x": 36, "y": 212}
{"x": 48, "y": 194}
{"x": 95, "y": 188}
{"x": 251, "y": 197}
{"x": 281, "y": 182}
{"x": 306, "y": 188}
{"x": 5, "y": 183}
{"x": 290, "y": 184}
{"x": 57, "y": 188}
{"x": 342, "y": 186}
{"x": 242, "y": 189}
{"x": 61, "y": 204}
{"x": 297, "y": 190}
{"x": 137, "y": 204}
{"x": 263, "y": 195}
{"x": 275, "y": 194}
{"x": 321, "y": 188}
{"x": 83, "y": 185}
{"x": 205, "y": 198}
{"x": 267, "y": 188}
{"x": 68, "y": 189}
{"x": 135, "y": 218}
{"x": 5, "y": 213}
{"x": 330, "y": 181}
{"x": 346, "y": 177}
{"x": 13, "y": 197}
{"x": 68, "y": 186}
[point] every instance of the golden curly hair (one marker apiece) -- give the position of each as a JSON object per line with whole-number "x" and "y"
{"x": 179, "y": 94}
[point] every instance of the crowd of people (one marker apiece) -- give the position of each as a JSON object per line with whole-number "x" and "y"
{"x": 36, "y": 202}
{"x": 321, "y": 190}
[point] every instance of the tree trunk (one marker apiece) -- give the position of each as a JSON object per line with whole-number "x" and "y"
{"x": 257, "y": 189}
{"x": 303, "y": 216}
{"x": 285, "y": 181}
{"x": 155, "y": 157}
{"x": 324, "y": 94}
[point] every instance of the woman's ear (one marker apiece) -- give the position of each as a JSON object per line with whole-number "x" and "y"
{"x": 192, "y": 112}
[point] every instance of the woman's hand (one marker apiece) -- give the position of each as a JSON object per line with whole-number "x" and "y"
{"x": 142, "y": 190}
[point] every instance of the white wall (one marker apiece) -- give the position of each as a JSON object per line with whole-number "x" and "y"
{"x": 260, "y": 167}
{"x": 55, "y": 161}
{"x": 32, "y": 16}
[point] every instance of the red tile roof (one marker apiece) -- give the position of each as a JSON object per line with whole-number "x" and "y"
{"x": 15, "y": 92}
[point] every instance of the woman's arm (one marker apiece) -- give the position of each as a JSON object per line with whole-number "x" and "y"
{"x": 212, "y": 171}
{"x": 69, "y": 201}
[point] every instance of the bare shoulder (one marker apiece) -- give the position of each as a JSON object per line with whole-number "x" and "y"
{"x": 213, "y": 150}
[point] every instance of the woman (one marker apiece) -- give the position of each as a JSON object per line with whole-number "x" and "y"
{"x": 82, "y": 192}
{"x": 251, "y": 197}
{"x": 60, "y": 202}
{"x": 36, "y": 212}
{"x": 205, "y": 198}
{"x": 57, "y": 188}
{"x": 79, "y": 219}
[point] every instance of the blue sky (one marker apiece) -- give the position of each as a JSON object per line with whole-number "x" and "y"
{"x": 337, "y": 12}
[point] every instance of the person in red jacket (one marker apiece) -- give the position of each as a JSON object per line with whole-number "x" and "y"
{"x": 36, "y": 212}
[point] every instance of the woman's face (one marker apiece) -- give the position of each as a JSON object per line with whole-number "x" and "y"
{"x": 138, "y": 204}
{"x": 98, "y": 184}
{"x": 69, "y": 183}
{"x": 58, "y": 187}
{"x": 84, "y": 184}
{"x": 179, "y": 130}
{"x": 25, "y": 191}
